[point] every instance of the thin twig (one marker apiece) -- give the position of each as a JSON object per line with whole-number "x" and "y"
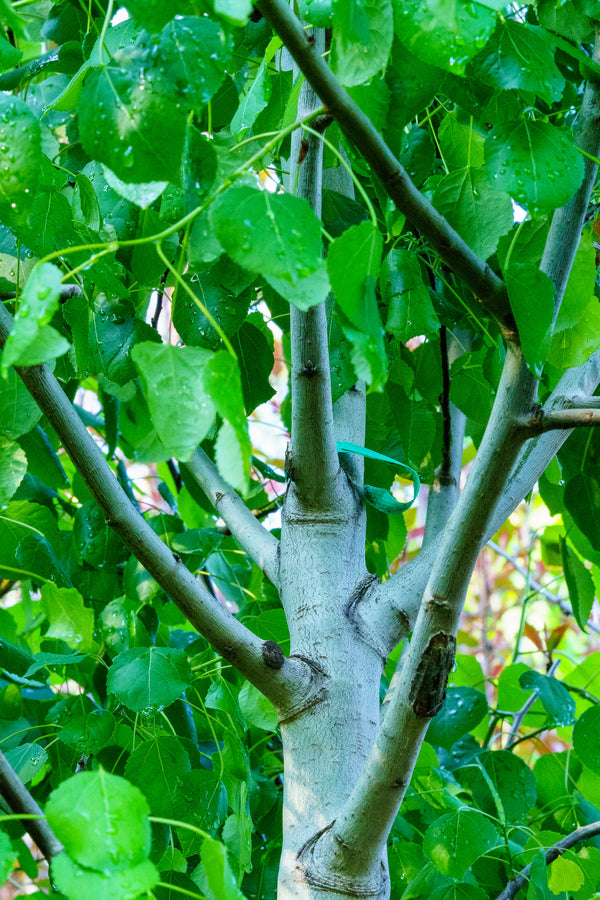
{"x": 539, "y": 588}
{"x": 575, "y": 837}
{"x": 520, "y": 715}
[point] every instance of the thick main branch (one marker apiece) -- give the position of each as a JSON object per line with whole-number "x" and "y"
{"x": 358, "y": 836}
{"x": 359, "y": 129}
{"x": 282, "y": 680}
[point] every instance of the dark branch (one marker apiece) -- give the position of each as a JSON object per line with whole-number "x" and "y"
{"x": 487, "y": 287}
{"x": 233, "y": 640}
{"x": 575, "y": 837}
{"x": 19, "y": 800}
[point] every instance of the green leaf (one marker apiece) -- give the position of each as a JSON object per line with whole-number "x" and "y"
{"x": 13, "y": 466}
{"x": 190, "y": 321}
{"x": 70, "y": 621}
{"x": 531, "y": 295}
{"x": 222, "y": 383}
{"x": 457, "y": 839}
{"x": 470, "y": 387}
{"x": 193, "y": 54}
{"x": 124, "y": 114}
{"x": 565, "y": 875}
{"x": 362, "y": 39}
{"x": 449, "y": 33}
{"x": 256, "y": 709}
{"x": 27, "y": 760}
{"x": 89, "y": 733}
{"x": 32, "y": 340}
{"x": 555, "y": 698}
{"x": 53, "y": 661}
{"x": 519, "y": 56}
{"x": 7, "y": 856}
{"x": 462, "y": 145}
{"x": 537, "y": 889}
{"x": 586, "y": 737}
{"x": 513, "y": 787}
{"x": 368, "y": 356}
{"x": 276, "y": 235}
{"x": 582, "y": 499}
{"x": 101, "y": 820}
{"x": 254, "y": 348}
{"x": 535, "y": 162}
{"x": 577, "y": 330}
{"x": 149, "y": 676}
{"x": 254, "y": 100}
{"x": 153, "y": 14}
{"x": 158, "y": 767}
{"x": 579, "y": 581}
{"x": 462, "y": 710}
{"x": 201, "y": 800}
{"x": 173, "y": 379}
{"x": 480, "y": 213}
{"x": 234, "y": 11}
{"x": 18, "y": 410}
{"x": 18, "y": 521}
{"x": 214, "y": 875}
{"x": 353, "y": 263}
{"x": 461, "y": 891}
{"x": 410, "y": 311}
{"x": 142, "y": 194}
{"x": 20, "y": 140}
{"x": 9, "y": 55}
{"x": 74, "y": 880}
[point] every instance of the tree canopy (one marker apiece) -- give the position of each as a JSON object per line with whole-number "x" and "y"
{"x": 394, "y": 204}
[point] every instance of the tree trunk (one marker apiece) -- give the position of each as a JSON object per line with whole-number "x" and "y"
{"x": 326, "y": 744}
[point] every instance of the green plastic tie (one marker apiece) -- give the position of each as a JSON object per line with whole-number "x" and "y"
{"x": 379, "y": 497}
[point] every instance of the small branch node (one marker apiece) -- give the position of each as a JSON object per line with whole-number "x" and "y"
{"x": 272, "y": 655}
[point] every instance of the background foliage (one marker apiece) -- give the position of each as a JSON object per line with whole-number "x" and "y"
{"x": 146, "y": 247}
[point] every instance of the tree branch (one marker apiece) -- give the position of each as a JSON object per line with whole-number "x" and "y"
{"x": 282, "y": 680}
{"x": 19, "y": 800}
{"x": 260, "y": 545}
{"x": 357, "y": 837}
{"x": 312, "y": 461}
{"x": 359, "y": 129}
{"x": 390, "y": 609}
{"x": 542, "y": 420}
{"x": 575, "y": 837}
{"x": 567, "y": 222}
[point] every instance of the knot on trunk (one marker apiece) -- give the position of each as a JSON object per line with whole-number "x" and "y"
{"x": 314, "y": 869}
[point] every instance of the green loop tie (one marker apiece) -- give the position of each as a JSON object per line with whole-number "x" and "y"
{"x": 379, "y": 497}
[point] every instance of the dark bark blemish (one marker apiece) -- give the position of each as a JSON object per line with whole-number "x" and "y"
{"x": 428, "y": 689}
{"x": 272, "y": 655}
